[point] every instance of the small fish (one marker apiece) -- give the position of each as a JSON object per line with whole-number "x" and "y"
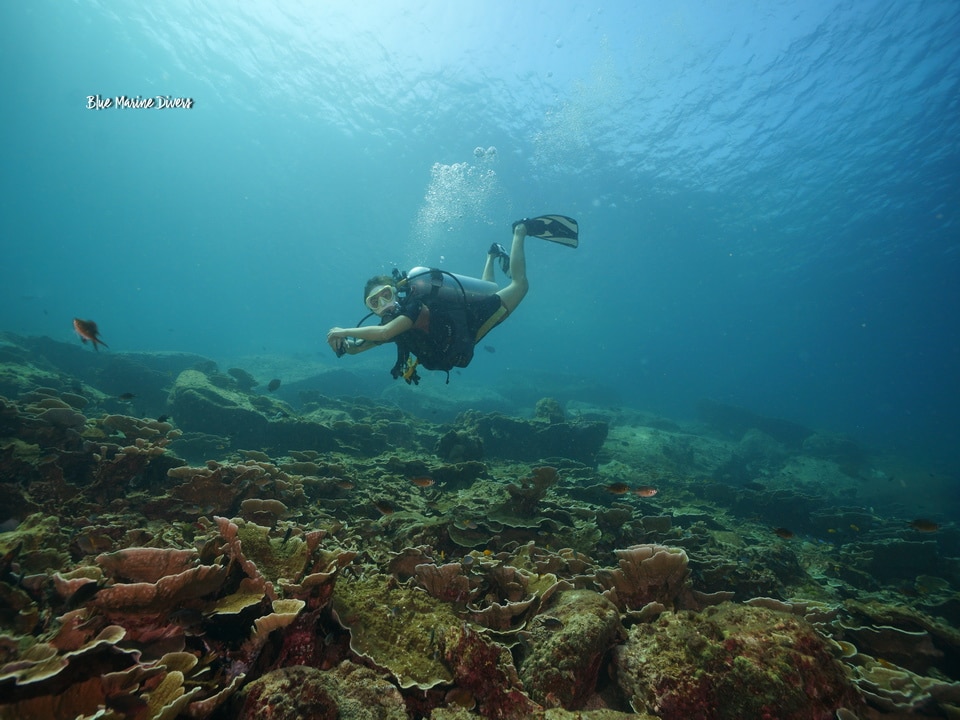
{"x": 12, "y": 523}
{"x": 783, "y": 532}
{"x": 126, "y": 396}
{"x": 273, "y": 384}
{"x": 209, "y": 551}
{"x": 383, "y": 507}
{"x": 855, "y": 528}
{"x": 83, "y": 593}
{"x": 163, "y": 418}
{"x": 645, "y": 491}
{"x": 187, "y": 618}
{"x": 93, "y": 542}
{"x": 87, "y": 330}
{"x": 286, "y": 535}
{"x": 460, "y": 697}
{"x": 345, "y": 485}
{"x": 489, "y": 348}
{"x": 924, "y": 525}
{"x": 617, "y": 488}
{"x": 423, "y": 481}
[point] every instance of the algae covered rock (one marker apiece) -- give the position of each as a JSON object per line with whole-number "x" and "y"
{"x": 199, "y": 402}
{"x": 292, "y": 693}
{"x": 456, "y": 447}
{"x": 215, "y": 404}
{"x": 506, "y": 437}
{"x": 732, "y": 661}
{"x": 299, "y": 692}
{"x": 42, "y": 543}
{"x": 567, "y": 644}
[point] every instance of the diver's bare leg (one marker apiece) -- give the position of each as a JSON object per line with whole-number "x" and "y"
{"x": 513, "y": 293}
{"x": 488, "y": 269}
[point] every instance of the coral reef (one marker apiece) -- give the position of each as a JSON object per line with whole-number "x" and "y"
{"x": 648, "y": 576}
{"x": 505, "y": 437}
{"x": 732, "y": 661}
{"x": 349, "y": 692}
{"x": 396, "y": 628}
{"x": 530, "y": 490}
{"x": 567, "y": 643}
{"x": 486, "y": 671}
{"x": 343, "y": 558}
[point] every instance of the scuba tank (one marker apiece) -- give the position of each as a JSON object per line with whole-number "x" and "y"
{"x": 428, "y": 284}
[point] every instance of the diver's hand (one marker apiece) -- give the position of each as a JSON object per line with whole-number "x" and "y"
{"x": 337, "y": 340}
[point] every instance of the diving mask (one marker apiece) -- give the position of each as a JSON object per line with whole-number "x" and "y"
{"x": 381, "y": 297}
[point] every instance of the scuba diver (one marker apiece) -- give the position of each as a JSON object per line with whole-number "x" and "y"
{"x": 436, "y": 317}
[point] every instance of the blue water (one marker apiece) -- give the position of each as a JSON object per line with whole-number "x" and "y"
{"x": 768, "y": 193}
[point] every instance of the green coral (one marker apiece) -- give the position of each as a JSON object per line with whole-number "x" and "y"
{"x": 399, "y": 628}
{"x": 43, "y": 544}
{"x": 275, "y": 559}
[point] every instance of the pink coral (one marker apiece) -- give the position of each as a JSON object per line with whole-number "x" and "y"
{"x": 486, "y": 670}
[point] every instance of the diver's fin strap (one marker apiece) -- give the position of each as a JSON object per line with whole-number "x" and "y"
{"x": 498, "y": 317}
{"x": 410, "y": 371}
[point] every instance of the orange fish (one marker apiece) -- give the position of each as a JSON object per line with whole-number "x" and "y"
{"x": 785, "y": 533}
{"x": 645, "y": 491}
{"x": 87, "y": 330}
{"x": 423, "y": 481}
{"x": 618, "y": 488}
{"x": 923, "y": 525}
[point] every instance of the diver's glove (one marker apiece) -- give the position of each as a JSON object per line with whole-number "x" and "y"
{"x": 342, "y": 348}
{"x": 500, "y": 252}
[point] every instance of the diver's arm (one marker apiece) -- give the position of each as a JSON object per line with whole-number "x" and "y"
{"x": 368, "y": 336}
{"x": 352, "y": 346}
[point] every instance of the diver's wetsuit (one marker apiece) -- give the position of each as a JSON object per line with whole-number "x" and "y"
{"x": 443, "y": 334}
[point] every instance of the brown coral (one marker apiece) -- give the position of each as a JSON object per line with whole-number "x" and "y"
{"x": 444, "y": 582}
{"x": 165, "y": 595}
{"x": 646, "y": 574}
{"x": 532, "y": 489}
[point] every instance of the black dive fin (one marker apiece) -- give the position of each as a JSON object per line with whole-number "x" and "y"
{"x": 556, "y": 228}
